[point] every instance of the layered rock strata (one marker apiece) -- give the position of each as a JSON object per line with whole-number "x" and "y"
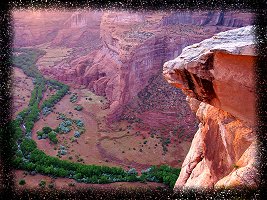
{"x": 217, "y": 75}
{"x": 134, "y": 47}
{"x": 59, "y": 28}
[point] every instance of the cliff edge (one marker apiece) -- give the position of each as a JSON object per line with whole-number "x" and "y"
{"x": 217, "y": 75}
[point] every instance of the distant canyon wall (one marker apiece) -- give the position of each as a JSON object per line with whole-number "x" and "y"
{"x": 134, "y": 47}
{"x": 217, "y": 75}
{"x": 60, "y": 28}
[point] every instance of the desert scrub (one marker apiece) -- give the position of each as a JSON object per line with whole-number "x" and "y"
{"x": 73, "y": 98}
{"x": 78, "y": 107}
{"x": 71, "y": 184}
{"x": 22, "y": 182}
{"x": 53, "y": 137}
{"x": 42, "y": 183}
{"x": 51, "y": 185}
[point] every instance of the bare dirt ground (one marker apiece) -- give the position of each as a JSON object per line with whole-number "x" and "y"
{"x": 32, "y": 182}
{"x": 22, "y": 87}
{"x": 53, "y": 54}
{"x": 128, "y": 146}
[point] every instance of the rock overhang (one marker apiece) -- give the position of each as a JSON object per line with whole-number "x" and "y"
{"x": 208, "y": 71}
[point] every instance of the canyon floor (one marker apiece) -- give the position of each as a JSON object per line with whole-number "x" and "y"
{"x": 124, "y": 144}
{"x": 32, "y": 182}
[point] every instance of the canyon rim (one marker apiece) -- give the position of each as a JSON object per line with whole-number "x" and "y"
{"x": 217, "y": 75}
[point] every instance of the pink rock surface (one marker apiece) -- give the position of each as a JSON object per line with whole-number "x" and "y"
{"x": 134, "y": 46}
{"x": 218, "y": 72}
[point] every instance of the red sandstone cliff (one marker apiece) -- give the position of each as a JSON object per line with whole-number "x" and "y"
{"x": 217, "y": 75}
{"x": 134, "y": 47}
{"x": 60, "y": 28}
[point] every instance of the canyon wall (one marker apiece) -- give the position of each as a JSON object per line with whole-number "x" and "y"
{"x": 134, "y": 47}
{"x": 217, "y": 75}
{"x": 60, "y": 28}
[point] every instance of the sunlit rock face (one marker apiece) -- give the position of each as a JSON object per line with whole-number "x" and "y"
{"x": 134, "y": 47}
{"x": 217, "y": 75}
{"x": 63, "y": 28}
{"x": 128, "y": 48}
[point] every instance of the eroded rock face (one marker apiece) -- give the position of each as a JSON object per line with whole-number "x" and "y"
{"x": 134, "y": 47}
{"x": 218, "y": 78}
{"x": 60, "y": 28}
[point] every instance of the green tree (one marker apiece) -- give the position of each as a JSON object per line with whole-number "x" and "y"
{"x": 22, "y": 182}
{"x": 53, "y": 137}
{"x": 47, "y": 129}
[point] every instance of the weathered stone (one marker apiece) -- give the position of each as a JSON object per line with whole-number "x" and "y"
{"x": 218, "y": 72}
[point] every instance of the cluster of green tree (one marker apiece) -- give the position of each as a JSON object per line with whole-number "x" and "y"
{"x": 17, "y": 134}
{"x": 31, "y": 114}
{"x": 56, "y": 97}
{"x": 163, "y": 174}
{"x": 37, "y": 93}
{"x": 26, "y": 59}
{"x": 53, "y": 137}
{"x": 30, "y": 158}
{"x": 66, "y": 125}
{"x": 33, "y": 159}
{"x": 48, "y": 132}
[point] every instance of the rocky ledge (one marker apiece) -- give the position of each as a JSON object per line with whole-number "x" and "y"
{"x": 217, "y": 75}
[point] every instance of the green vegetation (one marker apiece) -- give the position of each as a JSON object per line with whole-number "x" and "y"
{"x": 73, "y": 98}
{"x": 163, "y": 174}
{"x": 78, "y": 107}
{"x": 62, "y": 91}
{"x": 48, "y": 132}
{"x": 53, "y": 137}
{"x": 26, "y": 60}
{"x": 28, "y": 157}
{"x": 51, "y": 185}
{"x": 47, "y": 129}
{"x": 22, "y": 182}
{"x": 42, "y": 183}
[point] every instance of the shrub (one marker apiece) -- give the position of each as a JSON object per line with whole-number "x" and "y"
{"x": 46, "y": 111}
{"x": 78, "y": 176}
{"x": 132, "y": 171}
{"x": 53, "y": 137}
{"x": 77, "y": 134}
{"x": 47, "y": 130}
{"x": 45, "y": 136}
{"x": 79, "y": 123}
{"x": 22, "y": 182}
{"x": 39, "y": 133}
{"x": 63, "y": 152}
{"x": 78, "y": 108}
{"x": 71, "y": 184}
{"x": 27, "y": 145}
{"x": 42, "y": 183}
{"x": 51, "y": 185}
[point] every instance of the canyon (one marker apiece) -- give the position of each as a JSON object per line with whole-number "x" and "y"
{"x": 112, "y": 60}
{"x": 217, "y": 75}
{"x": 126, "y": 49}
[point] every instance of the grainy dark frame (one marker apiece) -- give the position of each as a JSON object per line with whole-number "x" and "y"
{"x": 7, "y": 189}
